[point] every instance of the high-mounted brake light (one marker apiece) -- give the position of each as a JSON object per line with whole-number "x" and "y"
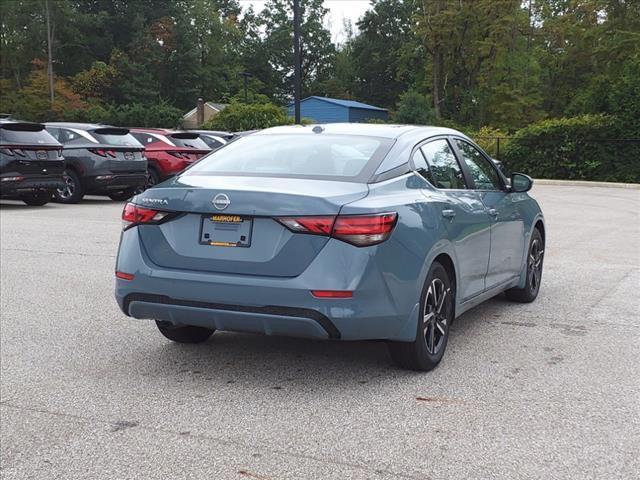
{"x": 358, "y": 230}
{"x": 135, "y": 215}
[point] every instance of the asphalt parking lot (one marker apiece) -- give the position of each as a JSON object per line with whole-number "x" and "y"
{"x": 545, "y": 390}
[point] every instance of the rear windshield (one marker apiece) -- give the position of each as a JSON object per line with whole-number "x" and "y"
{"x": 126, "y": 140}
{"x": 335, "y": 157}
{"x": 25, "y": 134}
{"x": 196, "y": 142}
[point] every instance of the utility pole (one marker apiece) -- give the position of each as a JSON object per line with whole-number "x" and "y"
{"x": 529, "y": 33}
{"x": 297, "y": 66}
{"x": 49, "y": 52}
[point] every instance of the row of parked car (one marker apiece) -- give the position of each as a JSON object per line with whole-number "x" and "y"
{"x": 65, "y": 161}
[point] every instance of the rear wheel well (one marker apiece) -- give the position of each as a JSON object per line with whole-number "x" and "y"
{"x": 540, "y": 227}
{"x": 445, "y": 260}
{"x": 74, "y": 167}
{"x": 153, "y": 165}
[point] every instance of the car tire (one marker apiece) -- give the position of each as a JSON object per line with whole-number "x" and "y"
{"x": 122, "y": 195}
{"x": 184, "y": 333}
{"x": 36, "y": 199}
{"x": 436, "y": 316}
{"x": 535, "y": 259}
{"x": 154, "y": 177}
{"x": 73, "y": 192}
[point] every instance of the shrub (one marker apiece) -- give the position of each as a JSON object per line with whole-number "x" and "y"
{"x": 414, "y": 109}
{"x": 487, "y": 138}
{"x": 161, "y": 115}
{"x": 580, "y": 148}
{"x": 238, "y": 117}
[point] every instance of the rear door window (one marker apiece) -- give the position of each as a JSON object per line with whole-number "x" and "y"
{"x": 444, "y": 167}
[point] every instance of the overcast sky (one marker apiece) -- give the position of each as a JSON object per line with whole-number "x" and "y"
{"x": 338, "y": 11}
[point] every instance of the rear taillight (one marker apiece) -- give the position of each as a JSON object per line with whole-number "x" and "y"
{"x": 314, "y": 225}
{"x": 103, "y": 153}
{"x": 364, "y": 230}
{"x": 13, "y": 152}
{"x": 133, "y": 215}
{"x": 358, "y": 230}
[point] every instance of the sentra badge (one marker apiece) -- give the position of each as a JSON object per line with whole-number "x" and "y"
{"x": 154, "y": 201}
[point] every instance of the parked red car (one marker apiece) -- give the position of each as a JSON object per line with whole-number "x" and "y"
{"x": 169, "y": 152}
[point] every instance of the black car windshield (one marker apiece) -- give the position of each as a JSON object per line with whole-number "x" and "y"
{"x": 335, "y": 157}
{"x": 25, "y": 134}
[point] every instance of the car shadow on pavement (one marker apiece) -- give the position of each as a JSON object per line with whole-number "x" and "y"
{"x": 276, "y": 362}
{"x": 19, "y": 205}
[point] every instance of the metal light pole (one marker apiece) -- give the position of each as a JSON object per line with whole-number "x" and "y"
{"x": 297, "y": 66}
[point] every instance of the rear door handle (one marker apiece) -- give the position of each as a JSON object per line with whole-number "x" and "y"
{"x": 448, "y": 214}
{"x": 493, "y": 212}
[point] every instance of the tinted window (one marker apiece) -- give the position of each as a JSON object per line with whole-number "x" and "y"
{"x": 126, "y": 140}
{"x": 298, "y": 155}
{"x": 66, "y": 136}
{"x": 144, "y": 138}
{"x": 483, "y": 173}
{"x": 196, "y": 143}
{"x": 445, "y": 170}
{"x": 13, "y": 134}
{"x": 421, "y": 166}
{"x": 211, "y": 142}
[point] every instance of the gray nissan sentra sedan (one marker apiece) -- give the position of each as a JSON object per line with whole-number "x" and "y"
{"x": 342, "y": 231}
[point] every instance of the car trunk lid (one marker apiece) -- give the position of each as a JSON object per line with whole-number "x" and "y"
{"x": 219, "y": 211}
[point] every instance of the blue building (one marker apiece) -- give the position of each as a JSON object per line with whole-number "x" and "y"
{"x": 333, "y": 110}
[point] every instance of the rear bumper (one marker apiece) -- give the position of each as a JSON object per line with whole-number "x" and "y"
{"x": 383, "y": 306}
{"x": 29, "y": 183}
{"x": 270, "y": 320}
{"x": 115, "y": 181}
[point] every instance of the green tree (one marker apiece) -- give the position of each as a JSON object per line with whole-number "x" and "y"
{"x": 317, "y": 51}
{"x": 415, "y": 108}
{"x": 241, "y": 117}
{"x": 386, "y": 55}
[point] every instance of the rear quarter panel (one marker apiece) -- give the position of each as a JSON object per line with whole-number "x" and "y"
{"x": 531, "y": 214}
{"x": 418, "y": 238}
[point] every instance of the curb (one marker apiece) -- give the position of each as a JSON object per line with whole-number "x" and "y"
{"x": 583, "y": 183}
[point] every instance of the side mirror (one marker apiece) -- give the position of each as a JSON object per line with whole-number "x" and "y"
{"x": 521, "y": 183}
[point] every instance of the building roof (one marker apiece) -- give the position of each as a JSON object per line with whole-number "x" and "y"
{"x": 344, "y": 103}
{"x": 215, "y": 106}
